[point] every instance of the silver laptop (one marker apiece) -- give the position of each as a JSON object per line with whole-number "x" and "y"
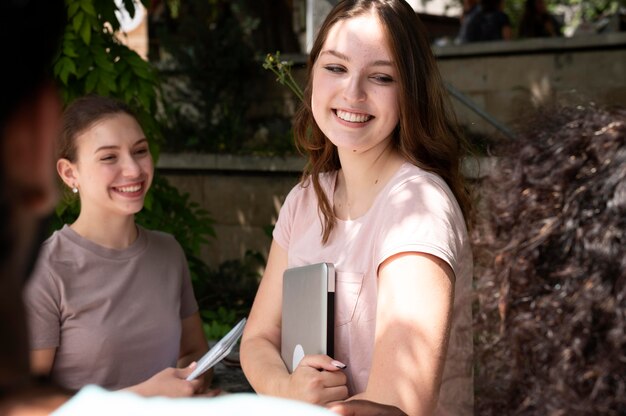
{"x": 308, "y": 312}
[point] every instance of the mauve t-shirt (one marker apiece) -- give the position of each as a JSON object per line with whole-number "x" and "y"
{"x": 114, "y": 316}
{"x": 414, "y": 212}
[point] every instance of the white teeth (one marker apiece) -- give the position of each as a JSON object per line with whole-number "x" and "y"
{"x": 133, "y": 188}
{"x": 353, "y": 117}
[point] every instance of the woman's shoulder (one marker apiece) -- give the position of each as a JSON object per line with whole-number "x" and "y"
{"x": 412, "y": 176}
{"x": 304, "y": 190}
{"x": 60, "y": 243}
{"x": 58, "y": 252}
{"x": 418, "y": 187}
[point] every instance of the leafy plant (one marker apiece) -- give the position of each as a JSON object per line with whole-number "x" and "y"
{"x": 282, "y": 69}
{"x": 92, "y": 60}
{"x": 218, "y": 322}
{"x": 209, "y": 75}
{"x": 226, "y": 293}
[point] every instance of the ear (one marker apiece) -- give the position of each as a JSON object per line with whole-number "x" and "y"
{"x": 67, "y": 172}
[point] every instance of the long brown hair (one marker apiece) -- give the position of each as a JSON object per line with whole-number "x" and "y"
{"x": 426, "y": 134}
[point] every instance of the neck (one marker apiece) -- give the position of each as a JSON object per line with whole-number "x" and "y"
{"x": 369, "y": 169}
{"x": 361, "y": 178}
{"x": 116, "y": 232}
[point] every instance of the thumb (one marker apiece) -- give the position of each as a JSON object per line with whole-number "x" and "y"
{"x": 322, "y": 362}
{"x": 184, "y": 372}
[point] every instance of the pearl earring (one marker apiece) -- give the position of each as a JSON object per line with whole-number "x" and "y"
{"x": 75, "y": 190}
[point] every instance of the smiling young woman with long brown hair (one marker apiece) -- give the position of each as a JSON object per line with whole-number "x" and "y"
{"x": 384, "y": 200}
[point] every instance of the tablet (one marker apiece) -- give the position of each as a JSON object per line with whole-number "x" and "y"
{"x": 308, "y": 312}
{"x": 220, "y": 350}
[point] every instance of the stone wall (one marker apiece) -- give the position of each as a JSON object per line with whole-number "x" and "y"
{"x": 242, "y": 194}
{"x": 508, "y": 79}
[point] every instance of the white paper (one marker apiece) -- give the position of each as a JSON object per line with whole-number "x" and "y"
{"x": 221, "y": 349}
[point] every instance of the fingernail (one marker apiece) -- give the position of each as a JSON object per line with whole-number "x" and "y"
{"x": 338, "y": 364}
{"x": 192, "y": 364}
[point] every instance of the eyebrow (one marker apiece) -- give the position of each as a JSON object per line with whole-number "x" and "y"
{"x": 346, "y": 58}
{"x": 140, "y": 141}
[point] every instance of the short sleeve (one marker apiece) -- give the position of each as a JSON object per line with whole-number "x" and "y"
{"x": 283, "y": 227}
{"x": 43, "y": 307}
{"x": 423, "y": 217}
{"x": 188, "y": 303}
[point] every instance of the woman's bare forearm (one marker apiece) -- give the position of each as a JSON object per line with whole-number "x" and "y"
{"x": 263, "y": 366}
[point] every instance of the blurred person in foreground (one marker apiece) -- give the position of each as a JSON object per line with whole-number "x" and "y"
{"x": 552, "y": 295}
{"x": 29, "y": 121}
{"x": 30, "y": 114}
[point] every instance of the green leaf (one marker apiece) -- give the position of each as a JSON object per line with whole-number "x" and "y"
{"x": 102, "y": 88}
{"x": 72, "y": 9}
{"x": 142, "y": 72}
{"x": 85, "y": 32}
{"x": 60, "y": 209}
{"x": 58, "y": 67}
{"x": 69, "y": 35}
{"x": 87, "y": 6}
{"x": 91, "y": 81}
{"x": 67, "y": 68}
{"x": 133, "y": 59}
{"x": 77, "y": 21}
{"x": 108, "y": 78}
{"x": 125, "y": 80}
{"x": 145, "y": 102}
{"x": 85, "y": 64}
{"x": 68, "y": 50}
{"x": 148, "y": 201}
{"x": 128, "y": 95}
{"x": 102, "y": 59}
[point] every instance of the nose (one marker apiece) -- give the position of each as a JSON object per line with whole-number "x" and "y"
{"x": 130, "y": 167}
{"x": 354, "y": 90}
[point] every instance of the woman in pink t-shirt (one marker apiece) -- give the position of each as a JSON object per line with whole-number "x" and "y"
{"x": 384, "y": 200}
{"x": 109, "y": 302}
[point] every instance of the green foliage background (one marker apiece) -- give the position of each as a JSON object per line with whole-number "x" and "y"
{"x": 584, "y": 10}
{"x": 211, "y": 77}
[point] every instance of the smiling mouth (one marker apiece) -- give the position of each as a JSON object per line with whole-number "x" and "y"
{"x": 353, "y": 117}
{"x": 129, "y": 189}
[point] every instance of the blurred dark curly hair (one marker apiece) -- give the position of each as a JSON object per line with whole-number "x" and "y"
{"x": 551, "y": 269}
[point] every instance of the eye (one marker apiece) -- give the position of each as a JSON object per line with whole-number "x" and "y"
{"x": 108, "y": 158}
{"x": 382, "y": 79}
{"x": 142, "y": 151}
{"x": 336, "y": 69}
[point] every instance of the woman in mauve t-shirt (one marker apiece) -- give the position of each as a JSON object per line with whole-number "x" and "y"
{"x": 111, "y": 303}
{"x": 383, "y": 199}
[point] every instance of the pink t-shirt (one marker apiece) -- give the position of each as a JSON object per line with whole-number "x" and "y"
{"x": 414, "y": 212}
{"x": 114, "y": 316}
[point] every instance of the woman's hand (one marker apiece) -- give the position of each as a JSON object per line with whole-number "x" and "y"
{"x": 193, "y": 346}
{"x": 365, "y": 408}
{"x": 169, "y": 383}
{"x": 318, "y": 379}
